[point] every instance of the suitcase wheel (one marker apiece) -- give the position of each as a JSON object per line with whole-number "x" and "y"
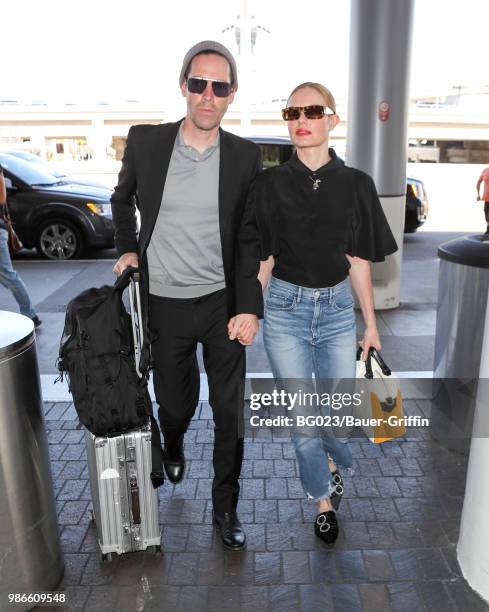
{"x": 106, "y": 558}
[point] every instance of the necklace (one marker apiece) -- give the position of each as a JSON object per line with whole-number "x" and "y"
{"x": 315, "y": 183}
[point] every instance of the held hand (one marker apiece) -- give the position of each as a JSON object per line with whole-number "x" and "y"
{"x": 370, "y": 338}
{"x": 244, "y": 328}
{"x": 128, "y": 260}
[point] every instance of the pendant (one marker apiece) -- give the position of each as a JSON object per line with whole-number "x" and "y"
{"x": 315, "y": 183}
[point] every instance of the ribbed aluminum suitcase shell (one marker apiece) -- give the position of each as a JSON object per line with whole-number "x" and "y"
{"x": 125, "y": 504}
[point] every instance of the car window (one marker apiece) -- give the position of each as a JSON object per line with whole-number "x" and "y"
{"x": 35, "y": 159}
{"x": 32, "y": 174}
{"x": 24, "y": 155}
{"x": 275, "y": 154}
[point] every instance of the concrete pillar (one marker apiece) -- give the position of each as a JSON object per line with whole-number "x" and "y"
{"x": 473, "y": 543}
{"x": 97, "y": 139}
{"x": 380, "y": 41}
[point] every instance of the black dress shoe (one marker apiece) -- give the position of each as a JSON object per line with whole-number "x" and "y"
{"x": 174, "y": 459}
{"x": 232, "y": 535}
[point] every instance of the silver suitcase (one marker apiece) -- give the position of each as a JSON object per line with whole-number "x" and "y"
{"x": 125, "y": 504}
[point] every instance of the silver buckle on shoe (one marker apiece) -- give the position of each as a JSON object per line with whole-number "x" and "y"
{"x": 324, "y": 526}
{"x": 339, "y": 489}
{"x": 336, "y": 479}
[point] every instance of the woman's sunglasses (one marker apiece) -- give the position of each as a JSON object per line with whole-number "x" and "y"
{"x": 197, "y": 85}
{"x": 313, "y": 111}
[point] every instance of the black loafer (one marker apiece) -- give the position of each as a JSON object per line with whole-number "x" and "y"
{"x": 174, "y": 459}
{"x": 326, "y": 527}
{"x": 232, "y": 535}
{"x": 337, "y": 494}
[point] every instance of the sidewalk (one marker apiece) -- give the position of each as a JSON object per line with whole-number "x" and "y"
{"x": 399, "y": 523}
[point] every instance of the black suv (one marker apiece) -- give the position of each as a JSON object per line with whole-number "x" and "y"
{"x": 59, "y": 218}
{"x": 277, "y": 150}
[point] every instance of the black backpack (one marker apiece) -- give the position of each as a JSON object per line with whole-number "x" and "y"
{"x": 97, "y": 357}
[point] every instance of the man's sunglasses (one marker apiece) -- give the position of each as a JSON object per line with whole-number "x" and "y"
{"x": 197, "y": 85}
{"x": 313, "y": 111}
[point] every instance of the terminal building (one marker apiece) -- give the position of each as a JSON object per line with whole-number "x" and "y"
{"x": 444, "y": 127}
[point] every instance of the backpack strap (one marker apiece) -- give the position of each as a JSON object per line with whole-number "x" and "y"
{"x": 157, "y": 474}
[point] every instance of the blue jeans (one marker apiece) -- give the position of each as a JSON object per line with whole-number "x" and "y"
{"x": 312, "y": 331}
{"x": 11, "y": 280}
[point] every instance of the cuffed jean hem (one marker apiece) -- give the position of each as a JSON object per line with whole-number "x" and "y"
{"x": 349, "y": 470}
{"x": 331, "y": 486}
{"x": 331, "y": 490}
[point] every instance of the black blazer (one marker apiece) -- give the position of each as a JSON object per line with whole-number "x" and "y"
{"x": 143, "y": 174}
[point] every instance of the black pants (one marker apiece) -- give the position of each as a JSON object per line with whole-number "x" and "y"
{"x": 486, "y": 213}
{"x": 179, "y": 325}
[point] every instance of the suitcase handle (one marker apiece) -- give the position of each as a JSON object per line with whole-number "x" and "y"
{"x": 132, "y": 278}
{"x": 136, "y": 321}
{"x": 136, "y": 510}
{"x": 122, "y": 281}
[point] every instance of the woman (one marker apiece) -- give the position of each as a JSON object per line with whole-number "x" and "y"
{"x": 319, "y": 223}
{"x": 8, "y": 276}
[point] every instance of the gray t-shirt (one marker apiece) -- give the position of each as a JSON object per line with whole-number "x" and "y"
{"x": 184, "y": 253}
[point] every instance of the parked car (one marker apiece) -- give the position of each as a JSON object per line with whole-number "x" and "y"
{"x": 57, "y": 217}
{"x": 277, "y": 150}
{"x": 416, "y": 205}
{"x": 51, "y": 168}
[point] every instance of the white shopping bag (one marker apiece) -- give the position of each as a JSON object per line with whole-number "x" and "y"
{"x": 382, "y": 400}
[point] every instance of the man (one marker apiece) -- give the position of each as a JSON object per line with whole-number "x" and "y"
{"x": 484, "y": 178}
{"x": 191, "y": 181}
{"x": 8, "y": 276}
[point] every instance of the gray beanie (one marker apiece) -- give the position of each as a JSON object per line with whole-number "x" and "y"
{"x": 209, "y": 45}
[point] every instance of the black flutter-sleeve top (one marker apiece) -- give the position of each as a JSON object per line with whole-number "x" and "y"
{"x": 309, "y": 231}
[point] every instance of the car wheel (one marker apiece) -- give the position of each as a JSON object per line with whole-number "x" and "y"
{"x": 410, "y": 230}
{"x": 59, "y": 239}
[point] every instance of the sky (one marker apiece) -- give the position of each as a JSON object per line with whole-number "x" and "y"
{"x": 113, "y": 50}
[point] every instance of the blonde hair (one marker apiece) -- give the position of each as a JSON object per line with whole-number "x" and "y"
{"x": 321, "y": 89}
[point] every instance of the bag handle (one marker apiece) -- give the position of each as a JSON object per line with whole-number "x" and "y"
{"x": 386, "y": 371}
{"x": 373, "y": 353}
{"x": 124, "y": 279}
{"x": 368, "y": 363}
{"x": 135, "y": 507}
